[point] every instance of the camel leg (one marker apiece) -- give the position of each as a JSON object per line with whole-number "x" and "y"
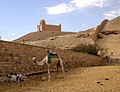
{"x": 63, "y": 70}
{"x": 56, "y": 72}
{"x": 61, "y": 63}
{"x": 49, "y": 79}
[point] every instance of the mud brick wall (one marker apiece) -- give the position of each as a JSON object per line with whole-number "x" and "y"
{"x": 17, "y": 58}
{"x": 52, "y": 28}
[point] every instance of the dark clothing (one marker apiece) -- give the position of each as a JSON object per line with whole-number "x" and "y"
{"x": 49, "y": 57}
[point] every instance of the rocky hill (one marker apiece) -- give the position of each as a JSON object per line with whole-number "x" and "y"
{"x": 64, "y": 41}
{"x": 105, "y": 36}
{"x": 35, "y": 36}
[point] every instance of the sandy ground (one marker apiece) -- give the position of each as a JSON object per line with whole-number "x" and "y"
{"x": 87, "y": 79}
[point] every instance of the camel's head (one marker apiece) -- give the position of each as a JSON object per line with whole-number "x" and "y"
{"x": 34, "y": 59}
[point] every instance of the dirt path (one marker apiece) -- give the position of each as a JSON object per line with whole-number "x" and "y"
{"x": 89, "y": 79}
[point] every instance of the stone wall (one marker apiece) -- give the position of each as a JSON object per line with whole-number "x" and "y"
{"x": 53, "y": 28}
{"x": 45, "y": 27}
{"x": 17, "y": 58}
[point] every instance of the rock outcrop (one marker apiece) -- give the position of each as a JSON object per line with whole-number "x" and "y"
{"x": 108, "y": 38}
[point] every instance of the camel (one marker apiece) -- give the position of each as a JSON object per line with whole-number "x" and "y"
{"x": 55, "y": 61}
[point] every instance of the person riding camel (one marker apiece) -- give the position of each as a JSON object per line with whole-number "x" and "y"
{"x": 51, "y": 54}
{"x": 49, "y": 57}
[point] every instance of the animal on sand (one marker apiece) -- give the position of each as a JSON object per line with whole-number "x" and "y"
{"x": 14, "y": 77}
{"x": 55, "y": 60}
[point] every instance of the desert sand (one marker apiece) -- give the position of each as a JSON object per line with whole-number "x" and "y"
{"x": 86, "y": 79}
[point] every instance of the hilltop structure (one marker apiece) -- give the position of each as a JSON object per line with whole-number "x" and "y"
{"x": 45, "y": 27}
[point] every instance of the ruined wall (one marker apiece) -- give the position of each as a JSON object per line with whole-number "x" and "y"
{"x": 53, "y": 28}
{"x": 17, "y": 58}
{"x": 45, "y": 27}
{"x": 38, "y": 28}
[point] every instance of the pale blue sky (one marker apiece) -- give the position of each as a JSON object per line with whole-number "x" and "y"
{"x": 19, "y": 17}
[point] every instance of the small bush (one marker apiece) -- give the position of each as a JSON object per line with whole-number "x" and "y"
{"x": 89, "y": 49}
